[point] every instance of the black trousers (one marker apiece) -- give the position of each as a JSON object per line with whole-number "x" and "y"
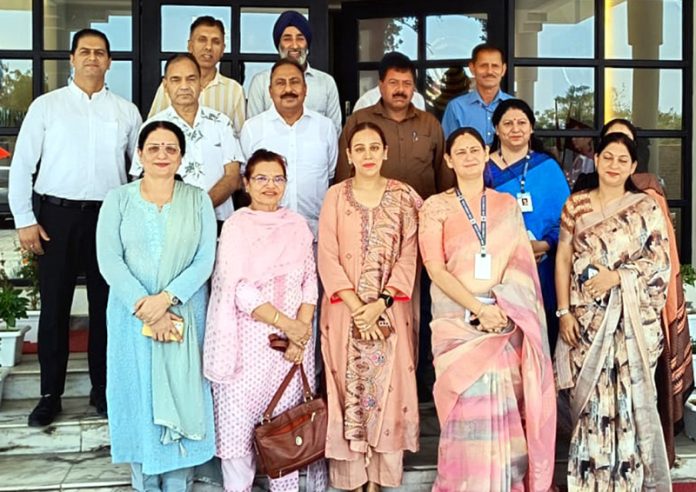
{"x": 70, "y": 251}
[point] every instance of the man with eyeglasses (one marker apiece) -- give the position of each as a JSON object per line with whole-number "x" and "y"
{"x": 207, "y": 45}
{"x": 305, "y": 138}
{"x": 212, "y": 156}
{"x": 81, "y": 135}
{"x": 292, "y": 35}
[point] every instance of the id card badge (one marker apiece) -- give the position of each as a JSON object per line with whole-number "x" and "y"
{"x": 525, "y": 202}
{"x": 482, "y": 266}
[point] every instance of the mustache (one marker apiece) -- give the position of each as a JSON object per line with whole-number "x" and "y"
{"x": 289, "y": 95}
{"x": 399, "y": 94}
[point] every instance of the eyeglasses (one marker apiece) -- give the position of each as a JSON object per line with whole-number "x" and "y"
{"x": 170, "y": 149}
{"x": 263, "y": 180}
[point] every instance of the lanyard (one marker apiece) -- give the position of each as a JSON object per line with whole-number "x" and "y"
{"x": 480, "y": 231}
{"x": 526, "y": 167}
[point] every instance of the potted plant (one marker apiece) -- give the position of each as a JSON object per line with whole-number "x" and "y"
{"x": 13, "y": 307}
{"x": 29, "y": 272}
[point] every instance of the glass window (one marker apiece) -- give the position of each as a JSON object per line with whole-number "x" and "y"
{"x": 177, "y": 20}
{"x": 575, "y": 154}
{"x": 63, "y": 18}
{"x": 650, "y": 98}
{"x": 559, "y": 96}
{"x": 563, "y": 29}
{"x": 15, "y": 91}
{"x": 256, "y": 28}
{"x": 15, "y": 19}
{"x": 119, "y": 78}
{"x": 444, "y": 84}
{"x": 249, "y": 69}
{"x": 677, "y": 216}
{"x": 7, "y": 142}
{"x": 453, "y": 36}
{"x": 379, "y": 36}
{"x": 644, "y": 29}
{"x": 368, "y": 80}
{"x": 663, "y": 157}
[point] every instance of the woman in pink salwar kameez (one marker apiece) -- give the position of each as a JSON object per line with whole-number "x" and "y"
{"x": 367, "y": 263}
{"x": 494, "y": 390}
{"x": 264, "y": 283}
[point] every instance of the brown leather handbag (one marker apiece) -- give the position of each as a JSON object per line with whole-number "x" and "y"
{"x": 296, "y": 437}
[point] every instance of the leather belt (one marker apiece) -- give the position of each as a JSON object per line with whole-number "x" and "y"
{"x": 64, "y": 202}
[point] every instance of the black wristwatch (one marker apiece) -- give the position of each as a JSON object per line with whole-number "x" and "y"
{"x": 388, "y": 299}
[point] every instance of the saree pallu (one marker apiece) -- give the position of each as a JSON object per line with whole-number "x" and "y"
{"x": 617, "y": 442}
{"x": 494, "y": 393}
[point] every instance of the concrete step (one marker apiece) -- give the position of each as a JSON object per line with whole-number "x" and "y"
{"x": 24, "y": 379}
{"x": 77, "y": 429}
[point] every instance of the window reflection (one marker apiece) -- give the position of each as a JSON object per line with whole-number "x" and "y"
{"x": 15, "y": 91}
{"x": 367, "y": 80}
{"x": 644, "y": 29}
{"x": 379, "y": 36}
{"x": 557, "y": 95}
{"x": 256, "y": 28}
{"x": 650, "y": 98}
{"x": 453, "y": 36}
{"x": 444, "y": 84}
{"x": 15, "y": 19}
{"x": 249, "y": 69}
{"x": 57, "y": 73}
{"x": 559, "y": 29}
{"x": 63, "y": 18}
{"x": 177, "y": 20}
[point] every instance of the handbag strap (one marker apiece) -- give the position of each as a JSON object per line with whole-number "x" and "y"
{"x": 308, "y": 395}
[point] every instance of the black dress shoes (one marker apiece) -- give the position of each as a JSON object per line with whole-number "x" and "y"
{"x": 45, "y": 412}
{"x": 97, "y": 398}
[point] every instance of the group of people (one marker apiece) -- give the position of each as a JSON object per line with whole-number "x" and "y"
{"x": 467, "y": 237}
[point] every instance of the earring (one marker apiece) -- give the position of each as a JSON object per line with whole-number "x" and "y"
{"x": 350, "y": 163}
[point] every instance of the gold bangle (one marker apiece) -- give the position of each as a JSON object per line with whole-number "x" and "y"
{"x": 276, "y": 318}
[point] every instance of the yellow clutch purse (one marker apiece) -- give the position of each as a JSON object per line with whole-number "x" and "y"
{"x": 179, "y": 325}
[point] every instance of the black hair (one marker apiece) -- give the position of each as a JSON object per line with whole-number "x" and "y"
{"x": 207, "y": 20}
{"x": 264, "y": 155}
{"x": 89, "y": 32}
{"x": 367, "y": 125}
{"x": 590, "y": 181}
{"x": 619, "y": 121}
{"x": 162, "y": 125}
{"x": 486, "y": 47}
{"x": 503, "y": 107}
{"x": 182, "y": 56}
{"x": 466, "y": 130}
{"x": 287, "y": 61}
{"x": 396, "y": 61}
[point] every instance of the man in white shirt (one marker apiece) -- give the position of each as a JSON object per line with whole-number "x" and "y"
{"x": 306, "y": 139}
{"x": 81, "y": 134}
{"x": 292, "y": 35}
{"x": 212, "y": 154}
{"x": 207, "y": 44}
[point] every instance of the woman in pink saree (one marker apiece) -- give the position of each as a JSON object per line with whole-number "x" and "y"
{"x": 612, "y": 274}
{"x": 367, "y": 263}
{"x": 494, "y": 390}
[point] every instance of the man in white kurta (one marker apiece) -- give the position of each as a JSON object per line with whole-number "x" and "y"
{"x": 306, "y": 139}
{"x": 212, "y": 156}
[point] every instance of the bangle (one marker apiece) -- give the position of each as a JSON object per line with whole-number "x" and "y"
{"x": 276, "y": 318}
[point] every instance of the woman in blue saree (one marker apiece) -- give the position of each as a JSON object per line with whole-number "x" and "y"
{"x": 519, "y": 165}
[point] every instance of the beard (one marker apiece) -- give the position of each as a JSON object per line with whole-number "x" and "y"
{"x": 302, "y": 59}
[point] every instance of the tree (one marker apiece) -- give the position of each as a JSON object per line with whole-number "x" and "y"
{"x": 15, "y": 95}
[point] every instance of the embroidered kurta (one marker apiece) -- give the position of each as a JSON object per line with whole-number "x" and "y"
{"x": 371, "y": 386}
{"x": 130, "y": 242}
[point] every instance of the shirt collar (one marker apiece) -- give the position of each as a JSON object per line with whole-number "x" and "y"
{"x": 310, "y": 71}
{"x": 217, "y": 80}
{"x": 272, "y": 114}
{"x": 72, "y": 86}
{"x": 380, "y": 110}
{"x": 173, "y": 115}
{"x": 476, "y": 98}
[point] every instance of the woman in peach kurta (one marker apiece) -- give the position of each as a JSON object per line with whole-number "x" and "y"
{"x": 367, "y": 263}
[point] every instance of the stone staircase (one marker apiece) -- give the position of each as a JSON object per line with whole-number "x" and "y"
{"x": 72, "y": 454}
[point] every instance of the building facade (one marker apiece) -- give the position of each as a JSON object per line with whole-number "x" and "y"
{"x": 578, "y": 63}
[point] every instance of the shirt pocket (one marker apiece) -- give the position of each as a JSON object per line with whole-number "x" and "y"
{"x": 422, "y": 148}
{"x": 109, "y": 136}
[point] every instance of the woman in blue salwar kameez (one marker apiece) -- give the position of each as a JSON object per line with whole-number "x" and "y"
{"x": 520, "y": 166}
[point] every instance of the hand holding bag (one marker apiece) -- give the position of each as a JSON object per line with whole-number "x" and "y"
{"x": 295, "y": 438}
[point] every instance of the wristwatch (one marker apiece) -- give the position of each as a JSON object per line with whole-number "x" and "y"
{"x": 173, "y": 300}
{"x": 562, "y": 312}
{"x": 388, "y": 299}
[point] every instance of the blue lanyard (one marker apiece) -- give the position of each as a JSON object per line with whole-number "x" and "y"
{"x": 526, "y": 167}
{"x": 480, "y": 231}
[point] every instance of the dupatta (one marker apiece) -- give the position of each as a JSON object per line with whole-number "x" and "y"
{"x": 254, "y": 246}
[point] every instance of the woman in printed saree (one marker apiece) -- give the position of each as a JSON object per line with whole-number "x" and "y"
{"x": 520, "y": 166}
{"x": 612, "y": 274}
{"x": 156, "y": 248}
{"x": 367, "y": 263}
{"x": 494, "y": 391}
{"x": 264, "y": 283}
